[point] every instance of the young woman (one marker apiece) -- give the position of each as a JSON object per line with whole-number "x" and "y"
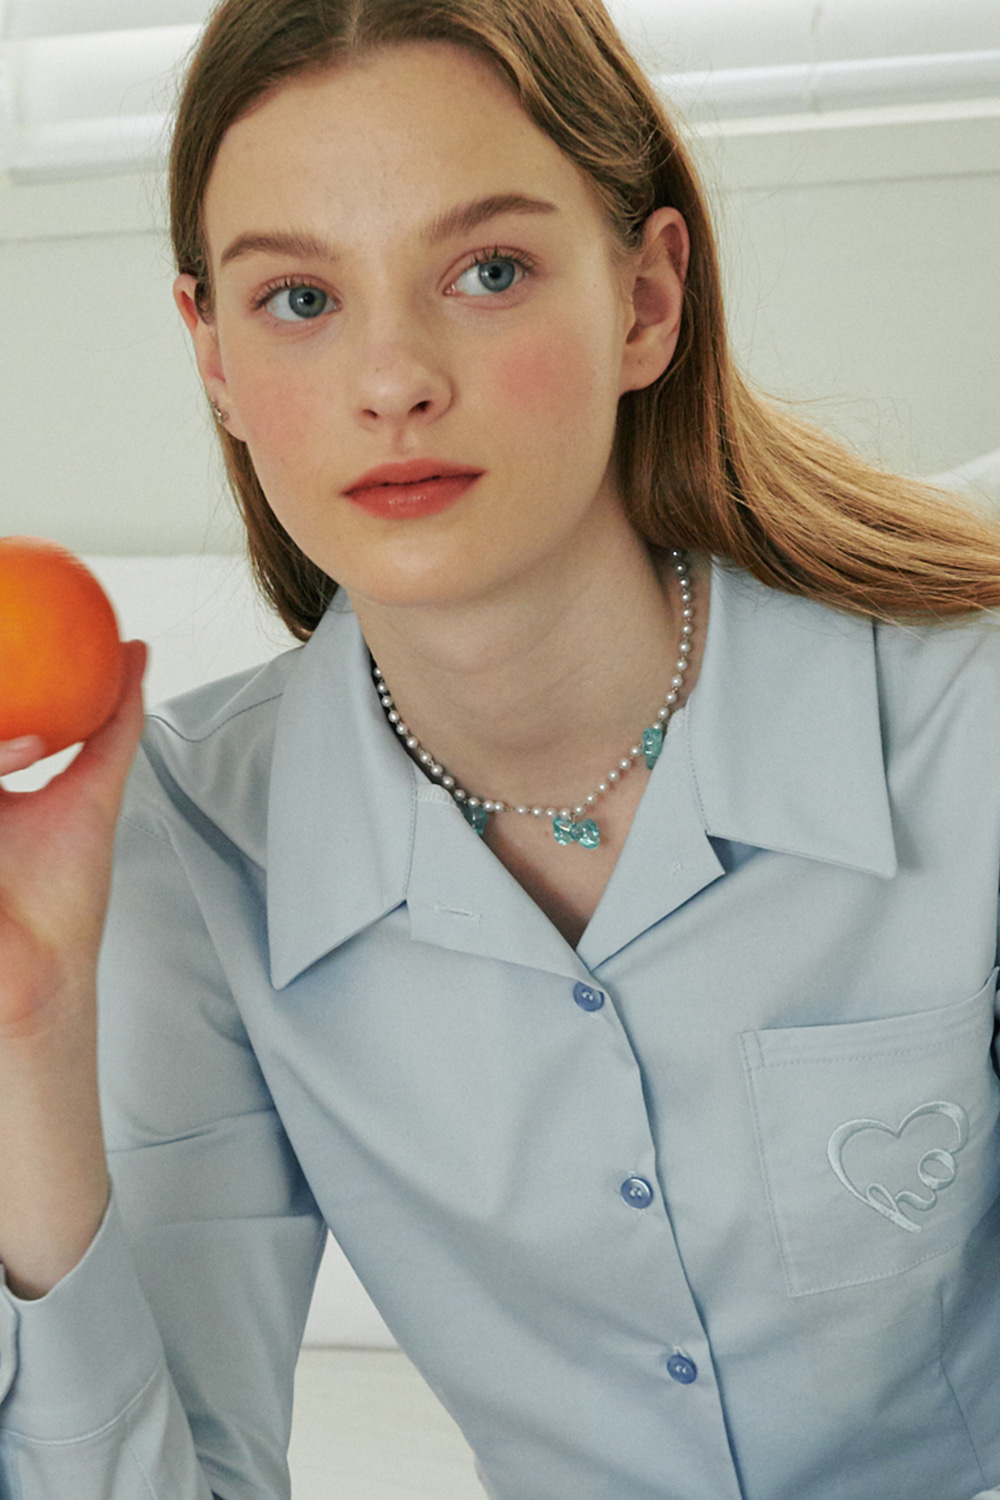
{"x": 645, "y": 1079}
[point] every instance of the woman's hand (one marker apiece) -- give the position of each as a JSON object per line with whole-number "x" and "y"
{"x": 55, "y": 874}
{"x": 55, "y": 865}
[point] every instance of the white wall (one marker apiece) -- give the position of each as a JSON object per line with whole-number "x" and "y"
{"x": 860, "y": 253}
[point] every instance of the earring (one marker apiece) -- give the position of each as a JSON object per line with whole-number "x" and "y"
{"x": 218, "y": 413}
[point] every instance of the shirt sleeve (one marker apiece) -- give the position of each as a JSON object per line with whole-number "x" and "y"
{"x": 162, "y": 1367}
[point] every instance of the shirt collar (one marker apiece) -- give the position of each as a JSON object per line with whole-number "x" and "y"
{"x": 783, "y": 730}
{"x": 354, "y": 830}
{"x": 782, "y": 741}
{"x": 342, "y": 802}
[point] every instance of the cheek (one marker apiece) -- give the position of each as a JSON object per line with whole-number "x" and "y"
{"x": 528, "y": 374}
{"x": 283, "y": 423}
{"x": 552, "y": 375}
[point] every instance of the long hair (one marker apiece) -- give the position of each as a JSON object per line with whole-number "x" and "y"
{"x": 702, "y": 460}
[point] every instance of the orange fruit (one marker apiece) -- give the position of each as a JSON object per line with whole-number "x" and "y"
{"x": 61, "y": 659}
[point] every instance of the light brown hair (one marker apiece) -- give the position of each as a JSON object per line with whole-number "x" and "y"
{"x": 703, "y": 461}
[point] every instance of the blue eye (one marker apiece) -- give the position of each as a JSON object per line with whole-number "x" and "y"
{"x": 496, "y": 275}
{"x": 294, "y": 304}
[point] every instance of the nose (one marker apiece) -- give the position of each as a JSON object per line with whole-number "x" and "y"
{"x": 401, "y": 380}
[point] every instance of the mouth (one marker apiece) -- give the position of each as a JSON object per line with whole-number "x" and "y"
{"x": 407, "y": 491}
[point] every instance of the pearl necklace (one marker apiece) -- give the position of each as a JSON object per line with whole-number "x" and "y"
{"x": 569, "y": 825}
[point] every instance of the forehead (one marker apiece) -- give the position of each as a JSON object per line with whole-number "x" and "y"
{"x": 398, "y": 136}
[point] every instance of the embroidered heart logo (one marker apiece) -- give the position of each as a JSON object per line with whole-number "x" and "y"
{"x": 936, "y": 1168}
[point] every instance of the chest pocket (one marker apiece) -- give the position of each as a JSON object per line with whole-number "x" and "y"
{"x": 879, "y": 1141}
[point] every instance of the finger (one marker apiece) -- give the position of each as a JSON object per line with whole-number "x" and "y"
{"x": 113, "y": 745}
{"x": 16, "y": 755}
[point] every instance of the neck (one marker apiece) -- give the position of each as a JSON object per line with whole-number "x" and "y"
{"x": 534, "y": 694}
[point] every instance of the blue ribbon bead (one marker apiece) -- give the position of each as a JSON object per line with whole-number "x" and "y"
{"x": 475, "y": 816}
{"x": 652, "y": 744}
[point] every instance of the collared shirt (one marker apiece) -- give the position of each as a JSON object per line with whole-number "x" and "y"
{"x": 703, "y": 1209}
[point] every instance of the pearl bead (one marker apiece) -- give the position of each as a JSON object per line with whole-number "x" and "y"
{"x": 434, "y": 768}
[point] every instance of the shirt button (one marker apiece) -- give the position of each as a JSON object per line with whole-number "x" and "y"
{"x": 637, "y": 1192}
{"x": 587, "y": 998}
{"x": 682, "y": 1369}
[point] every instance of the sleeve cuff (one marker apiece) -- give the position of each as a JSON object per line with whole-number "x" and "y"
{"x": 82, "y": 1352}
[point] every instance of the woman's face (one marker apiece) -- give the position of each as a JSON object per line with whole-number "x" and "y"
{"x": 406, "y": 268}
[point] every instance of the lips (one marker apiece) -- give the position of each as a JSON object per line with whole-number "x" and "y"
{"x": 407, "y": 491}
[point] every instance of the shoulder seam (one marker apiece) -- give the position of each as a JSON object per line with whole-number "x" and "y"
{"x": 190, "y": 739}
{"x": 124, "y": 817}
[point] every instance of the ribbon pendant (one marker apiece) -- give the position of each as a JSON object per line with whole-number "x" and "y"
{"x": 475, "y": 817}
{"x": 652, "y": 744}
{"x": 586, "y": 834}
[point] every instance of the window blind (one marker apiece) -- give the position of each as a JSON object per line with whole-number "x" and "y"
{"x": 88, "y": 86}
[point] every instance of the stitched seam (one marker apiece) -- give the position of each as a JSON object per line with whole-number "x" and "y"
{"x": 783, "y": 1249}
{"x": 139, "y": 828}
{"x": 812, "y": 1062}
{"x": 131, "y": 1448}
{"x": 911, "y": 1265}
{"x": 88, "y": 1437}
{"x": 954, "y": 1397}
{"x": 154, "y": 718}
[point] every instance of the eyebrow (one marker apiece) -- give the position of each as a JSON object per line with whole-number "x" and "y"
{"x": 462, "y": 219}
{"x": 468, "y": 216}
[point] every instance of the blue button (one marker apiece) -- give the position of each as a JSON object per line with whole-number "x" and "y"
{"x": 587, "y": 998}
{"x": 637, "y": 1192}
{"x": 682, "y": 1369}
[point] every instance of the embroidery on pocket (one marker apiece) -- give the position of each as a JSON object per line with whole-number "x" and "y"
{"x": 876, "y": 1195}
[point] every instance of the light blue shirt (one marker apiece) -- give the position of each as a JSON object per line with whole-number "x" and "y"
{"x": 705, "y": 1209}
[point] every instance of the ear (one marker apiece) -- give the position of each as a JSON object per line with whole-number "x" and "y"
{"x": 655, "y": 299}
{"x": 205, "y": 338}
